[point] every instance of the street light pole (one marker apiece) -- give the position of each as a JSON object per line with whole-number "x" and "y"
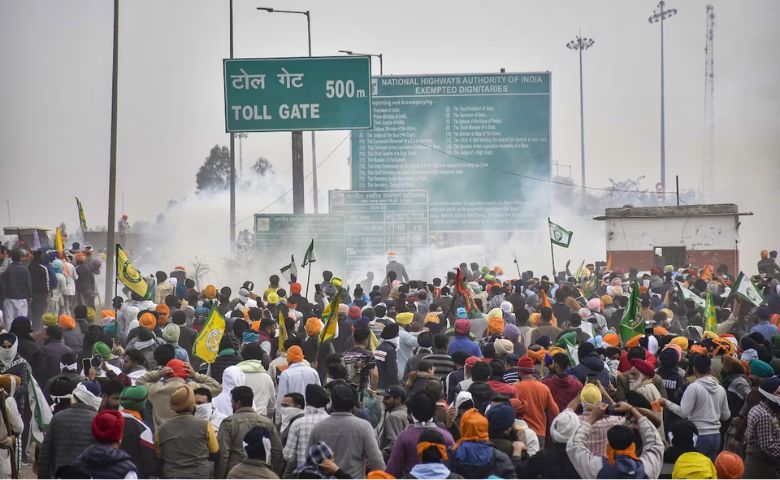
{"x": 110, "y": 240}
{"x": 232, "y": 157}
{"x": 297, "y": 140}
{"x": 377, "y": 55}
{"x": 658, "y": 16}
{"x": 581, "y": 44}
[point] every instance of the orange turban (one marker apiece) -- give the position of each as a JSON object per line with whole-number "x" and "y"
{"x": 660, "y": 331}
{"x": 147, "y": 320}
{"x": 210, "y": 292}
{"x": 495, "y": 322}
{"x": 534, "y": 319}
{"x": 699, "y": 349}
{"x": 107, "y": 314}
{"x": 294, "y": 355}
{"x": 537, "y": 356}
{"x": 163, "y": 313}
{"x": 473, "y": 427}
{"x": 378, "y": 474}
{"x": 67, "y": 322}
{"x": 313, "y": 326}
{"x": 611, "y": 339}
{"x": 634, "y": 342}
{"x": 255, "y": 326}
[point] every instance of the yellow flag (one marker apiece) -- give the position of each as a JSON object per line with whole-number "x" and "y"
{"x": 282, "y": 330}
{"x": 58, "y": 244}
{"x": 207, "y": 344}
{"x": 129, "y": 275}
{"x": 373, "y": 342}
{"x": 331, "y": 328}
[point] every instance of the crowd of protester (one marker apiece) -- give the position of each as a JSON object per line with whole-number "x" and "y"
{"x": 510, "y": 376}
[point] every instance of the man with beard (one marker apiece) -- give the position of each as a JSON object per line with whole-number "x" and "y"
{"x": 762, "y": 454}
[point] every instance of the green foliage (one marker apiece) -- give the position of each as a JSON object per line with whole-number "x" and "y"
{"x": 214, "y": 174}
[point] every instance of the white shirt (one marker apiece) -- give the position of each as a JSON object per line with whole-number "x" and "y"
{"x": 294, "y": 379}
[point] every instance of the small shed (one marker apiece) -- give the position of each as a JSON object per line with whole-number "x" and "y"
{"x": 647, "y": 237}
{"x": 27, "y": 235}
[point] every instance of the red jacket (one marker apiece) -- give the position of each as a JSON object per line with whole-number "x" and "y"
{"x": 563, "y": 389}
{"x": 503, "y": 388}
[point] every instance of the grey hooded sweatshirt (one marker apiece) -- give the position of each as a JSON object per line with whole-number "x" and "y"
{"x": 704, "y": 404}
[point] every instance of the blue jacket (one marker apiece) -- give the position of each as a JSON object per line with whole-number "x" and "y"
{"x": 478, "y": 460}
{"x": 462, "y": 343}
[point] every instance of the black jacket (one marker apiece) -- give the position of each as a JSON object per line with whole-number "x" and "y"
{"x": 552, "y": 462}
{"x": 39, "y": 278}
{"x": 482, "y": 394}
{"x": 17, "y": 284}
{"x": 68, "y": 434}
{"x": 140, "y": 448}
{"x": 102, "y": 461}
{"x": 387, "y": 365}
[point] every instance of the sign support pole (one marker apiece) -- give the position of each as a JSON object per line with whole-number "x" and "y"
{"x": 297, "y": 172}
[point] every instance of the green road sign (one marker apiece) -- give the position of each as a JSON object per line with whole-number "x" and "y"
{"x": 471, "y": 141}
{"x": 308, "y": 93}
{"x": 379, "y": 222}
{"x": 277, "y": 236}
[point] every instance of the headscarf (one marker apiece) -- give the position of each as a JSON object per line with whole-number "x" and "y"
{"x": 232, "y": 377}
{"x": 473, "y": 428}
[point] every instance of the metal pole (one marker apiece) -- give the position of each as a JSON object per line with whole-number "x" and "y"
{"x": 582, "y": 124}
{"x": 381, "y": 67}
{"x": 110, "y": 241}
{"x": 552, "y": 252}
{"x": 8, "y": 204}
{"x": 232, "y": 157}
{"x": 677, "y": 188}
{"x": 663, "y": 114}
{"x": 313, "y": 140}
{"x": 240, "y": 155}
{"x": 297, "y": 172}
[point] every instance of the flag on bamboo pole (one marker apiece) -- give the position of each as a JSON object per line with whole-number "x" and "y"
{"x": 282, "y": 330}
{"x": 745, "y": 289}
{"x": 568, "y": 341}
{"x": 58, "y": 244}
{"x": 559, "y": 235}
{"x": 710, "y": 320}
{"x": 331, "y": 315}
{"x": 632, "y": 324}
{"x": 207, "y": 343}
{"x": 290, "y": 271}
{"x": 129, "y": 275}
{"x": 460, "y": 287}
{"x": 36, "y": 239}
{"x": 308, "y": 257}
{"x": 580, "y": 271}
{"x": 689, "y": 295}
{"x": 82, "y": 217}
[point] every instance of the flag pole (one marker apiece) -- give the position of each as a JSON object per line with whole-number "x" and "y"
{"x": 517, "y": 266}
{"x": 552, "y": 252}
{"x": 113, "y": 302}
{"x": 308, "y": 279}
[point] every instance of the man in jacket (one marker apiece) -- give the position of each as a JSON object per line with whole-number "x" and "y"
{"x": 85, "y": 282}
{"x": 357, "y": 451}
{"x": 104, "y": 458}
{"x": 70, "y": 430}
{"x": 137, "y": 437}
{"x": 625, "y": 461}
{"x": 394, "y": 419}
{"x": 162, "y": 383}
{"x": 17, "y": 286}
{"x": 563, "y": 386}
{"x": 256, "y": 378}
{"x": 235, "y": 427}
{"x": 53, "y": 350}
{"x": 704, "y": 403}
{"x": 257, "y": 461}
{"x": 590, "y": 364}
{"x": 295, "y": 378}
{"x": 385, "y": 356}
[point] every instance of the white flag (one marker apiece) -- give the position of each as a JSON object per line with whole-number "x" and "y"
{"x": 689, "y": 295}
{"x": 290, "y": 271}
{"x": 745, "y": 288}
{"x": 559, "y": 235}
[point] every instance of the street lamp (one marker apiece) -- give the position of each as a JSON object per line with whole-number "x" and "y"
{"x": 378, "y": 55}
{"x": 658, "y": 16}
{"x": 307, "y": 13}
{"x": 581, "y": 44}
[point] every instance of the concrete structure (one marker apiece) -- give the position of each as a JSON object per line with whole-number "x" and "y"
{"x": 644, "y": 237}
{"x": 27, "y": 235}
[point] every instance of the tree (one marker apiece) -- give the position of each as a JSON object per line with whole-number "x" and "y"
{"x": 262, "y": 166}
{"x": 214, "y": 174}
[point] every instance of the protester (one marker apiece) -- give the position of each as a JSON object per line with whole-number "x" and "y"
{"x": 394, "y": 419}
{"x": 257, "y": 462}
{"x": 296, "y": 447}
{"x": 105, "y": 459}
{"x": 762, "y": 437}
{"x": 473, "y": 456}
{"x": 540, "y": 405}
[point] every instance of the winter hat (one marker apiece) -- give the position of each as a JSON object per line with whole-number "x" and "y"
{"x": 425, "y": 339}
{"x": 643, "y": 367}
{"x": 506, "y": 307}
{"x": 462, "y": 398}
{"x": 525, "y": 364}
{"x": 390, "y": 331}
{"x": 100, "y": 348}
{"x": 503, "y": 346}
{"x": 49, "y": 319}
{"x": 171, "y": 333}
{"x": 590, "y": 395}
{"x": 760, "y": 369}
{"x": 500, "y": 417}
{"x": 88, "y": 393}
{"x": 511, "y": 332}
{"x": 316, "y": 396}
{"x": 107, "y": 426}
{"x": 66, "y": 322}
{"x": 178, "y": 368}
{"x": 134, "y": 398}
{"x": 182, "y": 399}
{"x": 404, "y": 318}
{"x": 462, "y": 326}
{"x": 729, "y": 465}
{"x": 563, "y": 426}
{"x": 313, "y": 326}
{"x": 585, "y": 349}
{"x": 148, "y": 321}
{"x": 294, "y": 354}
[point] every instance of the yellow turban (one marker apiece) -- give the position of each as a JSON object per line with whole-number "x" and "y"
{"x": 694, "y": 465}
{"x": 682, "y": 342}
{"x": 404, "y": 318}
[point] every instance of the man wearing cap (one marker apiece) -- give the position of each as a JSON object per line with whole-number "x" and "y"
{"x": 186, "y": 443}
{"x": 296, "y": 448}
{"x": 540, "y": 405}
{"x": 385, "y": 357}
{"x": 394, "y": 419}
{"x": 462, "y": 342}
{"x": 69, "y": 431}
{"x": 104, "y": 459}
{"x": 163, "y": 383}
{"x": 137, "y": 437}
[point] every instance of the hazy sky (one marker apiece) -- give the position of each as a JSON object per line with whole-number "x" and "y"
{"x": 55, "y": 91}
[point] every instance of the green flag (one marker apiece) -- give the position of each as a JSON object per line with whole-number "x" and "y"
{"x": 290, "y": 271}
{"x": 632, "y": 324}
{"x": 689, "y": 295}
{"x": 568, "y": 341}
{"x": 559, "y": 235}
{"x": 710, "y": 321}
{"x": 745, "y": 289}
{"x": 308, "y": 257}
